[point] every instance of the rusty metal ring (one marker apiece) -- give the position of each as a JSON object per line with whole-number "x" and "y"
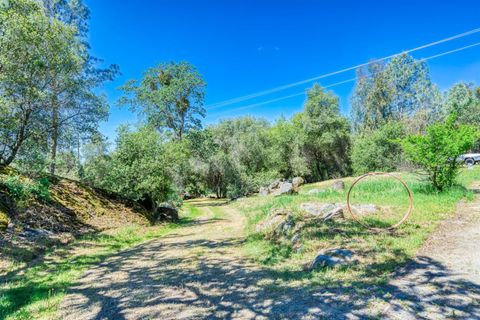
{"x": 405, "y": 216}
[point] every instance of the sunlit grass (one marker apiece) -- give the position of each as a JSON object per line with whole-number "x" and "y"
{"x": 381, "y": 252}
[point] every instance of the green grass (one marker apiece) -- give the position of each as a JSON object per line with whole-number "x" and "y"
{"x": 35, "y": 292}
{"x": 380, "y": 252}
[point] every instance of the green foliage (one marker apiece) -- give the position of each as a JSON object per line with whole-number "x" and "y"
{"x": 32, "y": 49}
{"x": 324, "y": 134}
{"x": 140, "y": 169}
{"x": 462, "y": 100}
{"x": 378, "y": 150}
{"x": 169, "y": 95}
{"x": 23, "y": 189}
{"x": 401, "y": 89}
{"x": 437, "y": 151}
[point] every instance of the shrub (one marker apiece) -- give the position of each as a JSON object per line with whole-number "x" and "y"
{"x": 438, "y": 150}
{"x": 378, "y": 150}
{"x": 23, "y": 189}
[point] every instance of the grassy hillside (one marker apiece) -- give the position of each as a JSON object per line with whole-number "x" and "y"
{"x": 380, "y": 252}
{"x": 38, "y": 214}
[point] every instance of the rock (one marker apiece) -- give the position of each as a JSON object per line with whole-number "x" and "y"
{"x": 338, "y": 185}
{"x": 279, "y": 224}
{"x": 263, "y": 191}
{"x": 332, "y": 258}
{"x": 35, "y": 233}
{"x": 365, "y": 209}
{"x": 325, "y": 211}
{"x": 315, "y": 191}
{"x": 274, "y": 218}
{"x": 284, "y": 188}
{"x": 274, "y": 185}
{"x": 297, "y": 182}
{"x": 164, "y": 212}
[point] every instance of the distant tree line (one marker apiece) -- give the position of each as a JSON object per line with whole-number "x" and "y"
{"x": 50, "y": 110}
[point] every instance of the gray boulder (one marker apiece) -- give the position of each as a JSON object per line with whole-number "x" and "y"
{"x": 285, "y": 187}
{"x": 332, "y": 258}
{"x": 279, "y": 224}
{"x": 338, "y": 185}
{"x": 324, "y": 211}
{"x": 274, "y": 185}
{"x": 263, "y": 191}
{"x": 164, "y": 212}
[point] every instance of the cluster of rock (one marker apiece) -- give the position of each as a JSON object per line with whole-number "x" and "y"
{"x": 327, "y": 211}
{"x": 282, "y": 186}
{"x": 283, "y": 225}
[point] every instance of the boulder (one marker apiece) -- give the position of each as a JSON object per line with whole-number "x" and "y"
{"x": 285, "y": 187}
{"x": 297, "y": 182}
{"x": 324, "y": 211}
{"x": 279, "y": 224}
{"x": 332, "y": 258}
{"x": 365, "y": 209}
{"x": 338, "y": 185}
{"x": 315, "y": 191}
{"x": 274, "y": 185}
{"x": 263, "y": 191}
{"x": 164, "y": 212}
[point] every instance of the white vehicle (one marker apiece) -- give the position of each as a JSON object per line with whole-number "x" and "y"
{"x": 470, "y": 158}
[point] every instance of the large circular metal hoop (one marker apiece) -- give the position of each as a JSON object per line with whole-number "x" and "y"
{"x": 405, "y": 216}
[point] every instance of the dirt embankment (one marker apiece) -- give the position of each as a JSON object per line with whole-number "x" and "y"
{"x": 31, "y": 227}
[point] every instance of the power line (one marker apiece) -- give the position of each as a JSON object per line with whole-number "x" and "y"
{"x": 338, "y": 83}
{"x": 294, "y": 84}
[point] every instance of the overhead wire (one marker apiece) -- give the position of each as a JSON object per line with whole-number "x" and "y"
{"x": 294, "y": 84}
{"x": 337, "y": 83}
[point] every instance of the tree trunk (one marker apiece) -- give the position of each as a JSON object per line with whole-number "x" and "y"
{"x": 55, "y": 134}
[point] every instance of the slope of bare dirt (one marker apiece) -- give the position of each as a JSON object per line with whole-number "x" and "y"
{"x": 73, "y": 209}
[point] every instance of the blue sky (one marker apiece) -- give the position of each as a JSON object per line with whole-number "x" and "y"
{"x": 242, "y": 47}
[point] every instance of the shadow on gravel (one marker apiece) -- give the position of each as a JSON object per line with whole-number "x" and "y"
{"x": 146, "y": 283}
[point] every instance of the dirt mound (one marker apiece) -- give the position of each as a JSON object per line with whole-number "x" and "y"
{"x": 73, "y": 209}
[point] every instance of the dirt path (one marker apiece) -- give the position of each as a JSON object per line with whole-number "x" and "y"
{"x": 443, "y": 281}
{"x": 199, "y": 273}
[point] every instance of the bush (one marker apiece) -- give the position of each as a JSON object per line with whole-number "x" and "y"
{"x": 23, "y": 189}
{"x": 378, "y": 150}
{"x": 438, "y": 150}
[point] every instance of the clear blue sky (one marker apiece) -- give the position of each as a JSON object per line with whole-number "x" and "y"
{"x": 242, "y": 47}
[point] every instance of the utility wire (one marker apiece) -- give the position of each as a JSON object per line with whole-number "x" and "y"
{"x": 339, "y": 83}
{"x": 294, "y": 84}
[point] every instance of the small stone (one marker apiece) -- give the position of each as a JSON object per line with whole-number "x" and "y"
{"x": 332, "y": 258}
{"x": 338, "y": 185}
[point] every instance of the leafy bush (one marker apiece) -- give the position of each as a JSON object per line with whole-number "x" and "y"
{"x": 378, "y": 150}
{"x": 437, "y": 151}
{"x": 23, "y": 189}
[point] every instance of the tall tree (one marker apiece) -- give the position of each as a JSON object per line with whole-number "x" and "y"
{"x": 76, "y": 107}
{"x": 32, "y": 49}
{"x": 326, "y": 132}
{"x": 170, "y": 96}
{"x": 398, "y": 90}
{"x": 464, "y": 101}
